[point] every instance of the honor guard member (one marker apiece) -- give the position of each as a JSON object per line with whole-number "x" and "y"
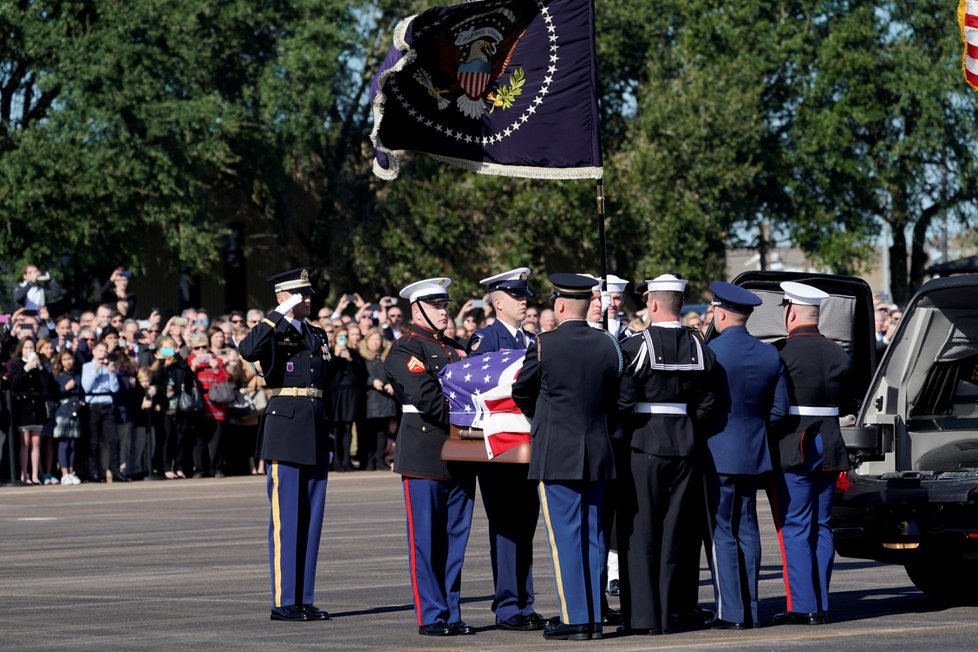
{"x": 665, "y": 393}
{"x": 294, "y": 441}
{"x": 510, "y": 500}
{"x": 568, "y": 386}
{"x": 751, "y": 392}
{"x": 614, "y": 298}
{"x": 615, "y": 289}
{"x": 812, "y": 453}
{"x": 437, "y": 495}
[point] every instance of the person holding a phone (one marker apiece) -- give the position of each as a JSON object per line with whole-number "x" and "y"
{"x": 172, "y": 375}
{"x": 347, "y": 393}
{"x": 294, "y": 440}
{"x": 31, "y": 387}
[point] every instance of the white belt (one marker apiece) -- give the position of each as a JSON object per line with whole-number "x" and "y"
{"x": 660, "y": 408}
{"x": 808, "y": 411}
{"x": 408, "y": 408}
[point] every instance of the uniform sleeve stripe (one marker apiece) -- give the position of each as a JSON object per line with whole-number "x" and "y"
{"x": 266, "y": 320}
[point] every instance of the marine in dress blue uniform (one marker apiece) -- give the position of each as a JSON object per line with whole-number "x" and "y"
{"x": 438, "y": 495}
{"x": 568, "y": 387}
{"x": 751, "y": 393}
{"x": 666, "y": 393}
{"x": 510, "y": 499}
{"x": 294, "y": 441}
{"x": 811, "y": 453}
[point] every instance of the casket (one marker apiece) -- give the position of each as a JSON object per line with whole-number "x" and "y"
{"x": 468, "y": 445}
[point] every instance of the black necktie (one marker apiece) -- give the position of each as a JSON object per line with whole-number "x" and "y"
{"x": 520, "y": 339}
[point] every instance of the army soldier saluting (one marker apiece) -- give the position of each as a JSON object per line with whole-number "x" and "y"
{"x": 294, "y": 441}
{"x": 437, "y": 495}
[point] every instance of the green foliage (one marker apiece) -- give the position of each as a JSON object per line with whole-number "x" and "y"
{"x": 141, "y": 129}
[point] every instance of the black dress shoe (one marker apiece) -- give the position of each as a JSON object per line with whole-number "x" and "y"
{"x": 628, "y": 631}
{"x": 614, "y": 587}
{"x": 291, "y": 612}
{"x": 436, "y": 629}
{"x": 568, "y": 633}
{"x": 536, "y": 621}
{"x": 461, "y": 628}
{"x": 796, "y": 618}
{"x": 718, "y": 623}
{"x": 596, "y": 631}
{"x": 517, "y": 623}
{"x": 314, "y": 612}
{"x": 695, "y": 618}
{"x": 611, "y": 617}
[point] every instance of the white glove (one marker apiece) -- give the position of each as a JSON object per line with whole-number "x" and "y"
{"x": 605, "y": 301}
{"x": 286, "y": 306}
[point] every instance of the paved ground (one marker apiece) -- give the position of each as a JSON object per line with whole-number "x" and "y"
{"x": 182, "y": 565}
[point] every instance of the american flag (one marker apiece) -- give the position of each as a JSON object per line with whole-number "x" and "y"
{"x": 479, "y": 390}
{"x": 968, "y": 21}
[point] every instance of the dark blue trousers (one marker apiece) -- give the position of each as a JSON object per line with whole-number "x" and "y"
{"x": 802, "y": 507}
{"x": 572, "y": 512}
{"x": 512, "y": 509}
{"x": 736, "y": 550}
{"x": 297, "y": 495}
{"x": 439, "y": 516}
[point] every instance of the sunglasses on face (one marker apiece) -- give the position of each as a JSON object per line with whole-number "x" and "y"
{"x": 237, "y": 321}
{"x": 201, "y": 348}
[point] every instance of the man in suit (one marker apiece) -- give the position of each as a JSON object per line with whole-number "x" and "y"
{"x": 438, "y": 495}
{"x": 811, "y": 452}
{"x": 666, "y": 393}
{"x": 751, "y": 393}
{"x": 294, "y": 441}
{"x": 510, "y": 500}
{"x": 568, "y": 386}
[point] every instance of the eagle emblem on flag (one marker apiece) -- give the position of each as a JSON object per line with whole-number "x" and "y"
{"x": 473, "y": 53}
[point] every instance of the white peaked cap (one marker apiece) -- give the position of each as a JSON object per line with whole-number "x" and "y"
{"x": 803, "y": 295}
{"x": 429, "y": 287}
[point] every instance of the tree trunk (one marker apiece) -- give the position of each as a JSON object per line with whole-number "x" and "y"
{"x": 898, "y": 264}
{"x": 918, "y": 256}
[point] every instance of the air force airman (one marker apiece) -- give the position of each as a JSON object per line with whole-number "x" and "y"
{"x": 294, "y": 441}
{"x": 751, "y": 395}
{"x": 510, "y": 500}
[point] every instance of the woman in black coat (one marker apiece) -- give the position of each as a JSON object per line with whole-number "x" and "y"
{"x": 380, "y": 423}
{"x": 172, "y": 377}
{"x": 346, "y": 393}
{"x": 31, "y": 386}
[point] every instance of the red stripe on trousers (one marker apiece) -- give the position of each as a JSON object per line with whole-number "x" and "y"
{"x": 414, "y": 563}
{"x": 776, "y": 513}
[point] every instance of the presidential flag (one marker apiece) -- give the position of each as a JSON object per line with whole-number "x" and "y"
{"x": 479, "y": 391}
{"x": 968, "y": 22}
{"x": 505, "y": 87}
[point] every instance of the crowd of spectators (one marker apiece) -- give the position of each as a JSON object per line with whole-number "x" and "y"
{"x": 118, "y": 394}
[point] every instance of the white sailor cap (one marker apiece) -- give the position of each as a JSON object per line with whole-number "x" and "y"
{"x": 801, "y": 294}
{"x": 597, "y": 281}
{"x": 615, "y": 283}
{"x": 663, "y": 283}
{"x": 430, "y": 289}
{"x": 512, "y": 282}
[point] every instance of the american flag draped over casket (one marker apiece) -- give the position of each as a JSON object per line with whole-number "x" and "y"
{"x": 479, "y": 390}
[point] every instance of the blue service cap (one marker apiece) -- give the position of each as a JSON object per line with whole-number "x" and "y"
{"x": 731, "y": 297}
{"x": 295, "y": 281}
{"x": 573, "y": 286}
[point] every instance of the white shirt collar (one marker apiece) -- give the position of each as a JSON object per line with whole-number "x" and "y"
{"x": 512, "y": 329}
{"x": 667, "y": 324}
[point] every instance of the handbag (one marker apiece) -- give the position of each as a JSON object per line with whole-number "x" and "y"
{"x": 241, "y": 406}
{"x": 190, "y": 401}
{"x": 223, "y": 393}
{"x": 259, "y": 398}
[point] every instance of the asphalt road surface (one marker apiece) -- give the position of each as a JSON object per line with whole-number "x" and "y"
{"x": 183, "y": 565}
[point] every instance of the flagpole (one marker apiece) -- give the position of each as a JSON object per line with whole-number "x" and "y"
{"x": 602, "y": 244}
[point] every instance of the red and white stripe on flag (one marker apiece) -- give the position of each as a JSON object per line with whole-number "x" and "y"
{"x": 503, "y": 424}
{"x": 968, "y": 20}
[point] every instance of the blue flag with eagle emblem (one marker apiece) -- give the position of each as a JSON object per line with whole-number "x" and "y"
{"x": 505, "y": 87}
